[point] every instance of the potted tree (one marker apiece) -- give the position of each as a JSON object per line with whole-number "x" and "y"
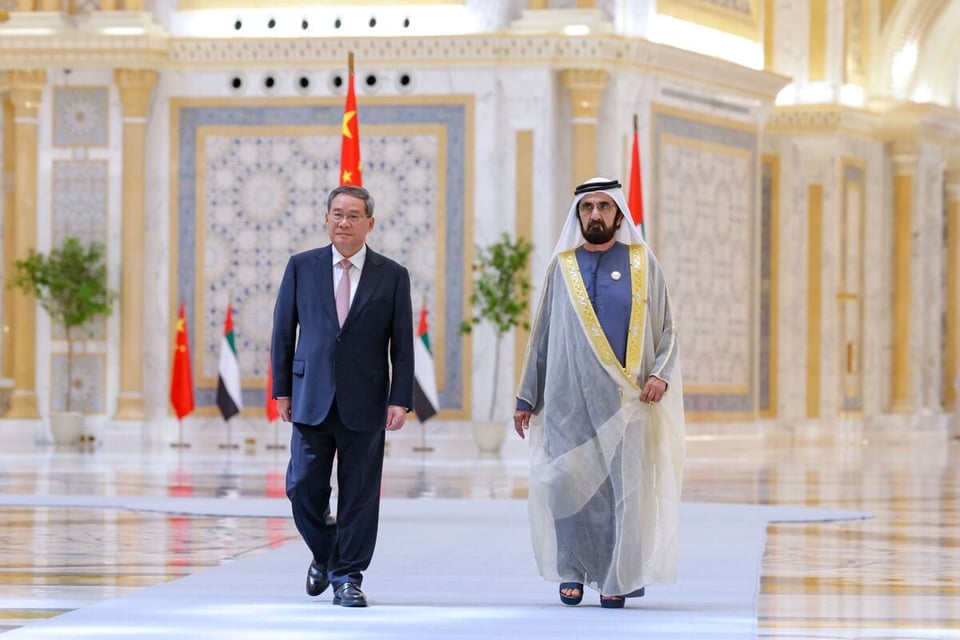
{"x": 500, "y": 298}
{"x": 70, "y": 283}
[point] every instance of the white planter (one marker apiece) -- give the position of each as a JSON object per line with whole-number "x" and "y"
{"x": 67, "y": 426}
{"x": 489, "y": 436}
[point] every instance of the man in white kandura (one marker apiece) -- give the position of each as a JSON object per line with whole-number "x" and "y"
{"x": 603, "y": 366}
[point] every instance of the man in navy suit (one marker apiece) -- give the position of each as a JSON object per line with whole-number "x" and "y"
{"x": 343, "y": 380}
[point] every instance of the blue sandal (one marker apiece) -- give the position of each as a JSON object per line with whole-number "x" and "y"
{"x": 571, "y": 600}
{"x": 612, "y": 602}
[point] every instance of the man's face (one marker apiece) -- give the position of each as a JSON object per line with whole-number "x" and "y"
{"x": 349, "y": 233}
{"x": 600, "y": 218}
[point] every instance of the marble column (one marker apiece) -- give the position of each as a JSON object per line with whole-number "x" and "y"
{"x": 951, "y": 363}
{"x": 586, "y": 88}
{"x": 904, "y": 157}
{"x": 135, "y": 88}
{"x": 26, "y": 91}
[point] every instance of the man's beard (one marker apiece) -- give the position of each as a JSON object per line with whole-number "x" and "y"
{"x": 599, "y": 233}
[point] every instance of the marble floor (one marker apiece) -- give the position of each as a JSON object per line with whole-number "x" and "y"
{"x": 895, "y": 575}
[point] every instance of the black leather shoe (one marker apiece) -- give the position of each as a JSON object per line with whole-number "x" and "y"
{"x": 317, "y": 580}
{"x": 349, "y": 595}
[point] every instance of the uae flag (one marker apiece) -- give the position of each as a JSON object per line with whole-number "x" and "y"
{"x": 181, "y": 382}
{"x": 228, "y": 383}
{"x": 635, "y": 199}
{"x": 425, "y": 403}
{"x": 350, "y": 142}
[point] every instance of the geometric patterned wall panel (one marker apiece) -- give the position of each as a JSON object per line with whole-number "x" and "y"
{"x": 79, "y": 210}
{"x": 80, "y": 116}
{"x": 251, "y": 191}
{"x": 88, "y": 387}
{"x": 705, "y": 177}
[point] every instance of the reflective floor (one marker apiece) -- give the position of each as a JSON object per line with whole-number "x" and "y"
{"x": 896, "y": 575}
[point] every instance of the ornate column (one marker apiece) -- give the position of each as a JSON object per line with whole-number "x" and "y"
{"x": 904, "y": 157}
{"x": 951, "y": 363}
{"x": 26, "y": 91}
{"x": 9, "y": 238}
{"x": 586, "y": 87}
{"x": 135, "y": 88}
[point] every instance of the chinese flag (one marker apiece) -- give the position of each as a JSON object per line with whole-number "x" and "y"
{"x": 271, "y": 405}
{"x": 181, "y": 382}
{"x": 350, "y": 144}
{"x": 635, "y": 199}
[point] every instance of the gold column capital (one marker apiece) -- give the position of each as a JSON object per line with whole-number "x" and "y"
{"x": 25, "y": 89}
{"x": 586, "y": 87}
{"x": 135, "y": 87}
{"x": 952, "y": 184}
{"x": 903, "y": 154}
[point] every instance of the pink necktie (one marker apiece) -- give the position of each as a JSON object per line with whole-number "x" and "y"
{"x": 343, "y": 292}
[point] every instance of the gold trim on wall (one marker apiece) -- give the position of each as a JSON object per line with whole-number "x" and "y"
{"x": 524, "y": 229}
{"x": 769, "y": 34}
{"x": 817, "y": 41}
{"x": 715, "y": 16}
{"x": 467, "y": 102}
{"x": 900, "y": 401}
{"x": 773, "y": 312}
{"x": 951, "y": 368}
{"x": 814, "y": 296}
{"x": 850, "y": 353}
{"x": 856, "y": 42}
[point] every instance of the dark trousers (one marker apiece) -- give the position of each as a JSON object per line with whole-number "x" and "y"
{"x": 345, "y": 545}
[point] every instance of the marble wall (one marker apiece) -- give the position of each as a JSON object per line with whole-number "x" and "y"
{"x": 240, "y": 157}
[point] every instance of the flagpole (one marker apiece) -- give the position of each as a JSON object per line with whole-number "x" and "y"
{"x": 276, "y": 437}
{"x": 423, "y": 440}
{"x": 423, "y": 447}
{"x": 180, "y": 443}
{"x": 229, "y": 444}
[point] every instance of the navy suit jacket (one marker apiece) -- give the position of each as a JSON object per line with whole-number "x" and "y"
{"x": 367, "y": 364}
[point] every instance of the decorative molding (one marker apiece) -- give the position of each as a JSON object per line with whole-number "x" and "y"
{"x": 823, "y": 119}
{"x": 738, "y": 17}
{"x": 76, "y": 49}
{"x": 913, "y": 122}
{"x": 203, "y": 5}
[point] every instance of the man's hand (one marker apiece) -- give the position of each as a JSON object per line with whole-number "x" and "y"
{"x": 653, "y": 390}
{"x": 396, "y": 416}
{"x": 521, "y": 421}
{"x": 283, "y": 408}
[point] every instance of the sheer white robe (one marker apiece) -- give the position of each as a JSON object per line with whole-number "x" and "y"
{"x": 606, "y": 467}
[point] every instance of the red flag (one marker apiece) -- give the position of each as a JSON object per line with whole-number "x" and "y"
{"x": 271, "y": 405}
{"x": 350, "y": 166}
{"x": 181, "y": 382}
{"x": 635, "y": 199}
